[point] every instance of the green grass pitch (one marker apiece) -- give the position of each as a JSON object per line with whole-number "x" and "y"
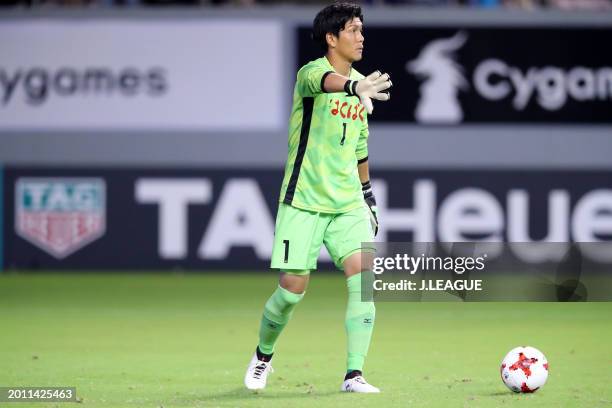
{"x": 173, "y": 340}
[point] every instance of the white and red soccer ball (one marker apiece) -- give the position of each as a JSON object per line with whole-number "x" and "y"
{"x": 524, "y": 369}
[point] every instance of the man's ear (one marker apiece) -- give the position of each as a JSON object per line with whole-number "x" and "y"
{"x": 332, "y": 40}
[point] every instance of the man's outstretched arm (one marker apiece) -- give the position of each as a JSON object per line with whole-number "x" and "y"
{"x": 374, "y": 86}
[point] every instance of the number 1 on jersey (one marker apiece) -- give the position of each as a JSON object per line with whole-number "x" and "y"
{"x": 343, "y": 134}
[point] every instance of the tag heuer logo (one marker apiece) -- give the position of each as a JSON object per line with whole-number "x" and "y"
{"x": 60, "y": 215}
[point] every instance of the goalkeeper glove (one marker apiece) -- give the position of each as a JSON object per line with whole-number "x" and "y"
{"x": 371, "y": 87}
{"x": 368, "y": 196}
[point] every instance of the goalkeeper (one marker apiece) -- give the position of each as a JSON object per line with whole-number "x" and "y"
{"x": 326, "y": 197}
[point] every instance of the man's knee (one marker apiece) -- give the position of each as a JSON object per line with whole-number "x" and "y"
{"x": 294, "y": 281}
{"x": 357, "y": 262}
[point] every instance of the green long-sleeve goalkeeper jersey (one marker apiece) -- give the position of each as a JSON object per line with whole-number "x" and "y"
{"x": 328, "y": 136}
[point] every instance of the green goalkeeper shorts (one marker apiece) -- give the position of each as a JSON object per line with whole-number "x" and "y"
{"x": 300, "y": 233}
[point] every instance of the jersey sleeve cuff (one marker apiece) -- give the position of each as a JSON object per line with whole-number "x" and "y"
{"x": 365, "y": 159}
{"x": 323, "y": 80}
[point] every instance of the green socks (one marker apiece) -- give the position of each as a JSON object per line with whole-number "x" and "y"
{"x": 276, "y": 315}
{"x": 359, "y": 324}
{"x": 359, "y": 321}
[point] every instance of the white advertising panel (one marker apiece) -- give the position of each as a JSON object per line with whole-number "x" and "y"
{"x": 132, "y": 74}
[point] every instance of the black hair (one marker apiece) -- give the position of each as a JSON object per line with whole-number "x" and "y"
{"x": 332, "y": 19}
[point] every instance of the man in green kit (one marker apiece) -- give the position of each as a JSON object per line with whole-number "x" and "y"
{"x": 326, "y": 196}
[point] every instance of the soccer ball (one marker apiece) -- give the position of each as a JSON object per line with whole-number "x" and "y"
{"x": 524, "y": 369}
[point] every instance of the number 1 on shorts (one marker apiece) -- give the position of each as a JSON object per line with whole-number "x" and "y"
{"x": 286, "y": 242}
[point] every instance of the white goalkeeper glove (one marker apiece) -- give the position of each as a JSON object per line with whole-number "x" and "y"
{"x": 368, "y": 196}
{"x": 371, "y": 87}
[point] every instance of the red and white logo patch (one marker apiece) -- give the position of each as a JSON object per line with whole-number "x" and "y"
{"x": 60, "y": 215}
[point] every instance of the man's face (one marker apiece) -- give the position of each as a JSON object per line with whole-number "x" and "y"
{"x": 349, "y": 43}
